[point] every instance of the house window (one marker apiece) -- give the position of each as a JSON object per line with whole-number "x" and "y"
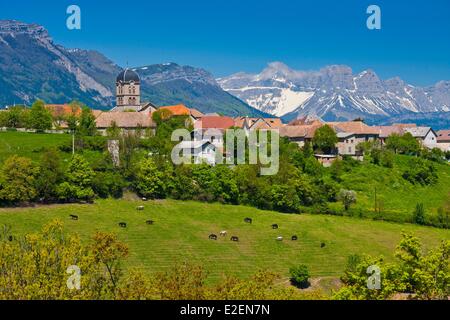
{"x": 350, "y": 149}
{"x": 352, "y": 140}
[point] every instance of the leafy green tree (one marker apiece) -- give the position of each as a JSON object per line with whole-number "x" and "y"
{"x": 40, "y": 118}
{"x": 420, "y": 171}
{"x": 284, "y": 198}
{"x": 421, "y": 276}
{"x": 18, "y": 180}
{"x": 404, "y": 144}
{"x": 15, "y": 117}
{"x": 348, "y": 197}
{"x": 78, "y": 181}
{"x": 87, "y": 125}
{"x": 419, "y": 214}
{"x": 50, "y": 176}
{"x": 149, "y": 180}
{"x": 325, "y": 139}
{"x": 300, "y": 276}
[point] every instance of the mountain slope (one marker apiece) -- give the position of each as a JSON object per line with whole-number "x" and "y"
{"x": 334, "y": 93}
{"x": 32, "y": 66}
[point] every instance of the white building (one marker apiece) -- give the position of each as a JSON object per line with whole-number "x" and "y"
{"x": 200, "y": 151}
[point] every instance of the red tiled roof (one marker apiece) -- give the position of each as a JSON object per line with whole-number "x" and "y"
{"x": 178, "y": 110}
{"x": 214, "y": 122}
{"x": 303, "y": 131}
{"x": 59, "y": 110}
{"x": 443, "y": 136}
{"x": 357, "y": 127}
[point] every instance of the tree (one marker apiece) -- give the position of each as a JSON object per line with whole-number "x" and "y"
{"x": 161, "y": 115}
{"x": 50, "y": 175}
{"x": 78, "y": 181}
{"x": 149, "y": 180}
{"x": 420, "y": 171}
{"x": 300, "y": 276}
{"x": 15, "y": 117}
{"x": 419, "y": 214}
{"x": 325, "y": 139}
{"x": 422, "y": 276}
{"x": 40, "y": 118}
{"x": 348, "y": 197}
{"x": 87, "y": 126}
{"x": 18, "y": 180}
{"x": 405, "y": 144}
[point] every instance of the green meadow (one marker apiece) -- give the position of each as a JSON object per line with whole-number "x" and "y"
{"x": 181, "y": 230}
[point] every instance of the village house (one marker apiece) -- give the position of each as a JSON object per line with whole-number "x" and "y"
{"x": 350, "y": 134}
{"x": 425, "y": 135}
{"x": 443, "y": 140}
{"x": 129, "y": 121}
{"x": 201, "y": 151}
{"x": 251, "y": 124}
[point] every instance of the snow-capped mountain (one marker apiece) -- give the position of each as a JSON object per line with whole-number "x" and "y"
{"x": 334, "y": 93}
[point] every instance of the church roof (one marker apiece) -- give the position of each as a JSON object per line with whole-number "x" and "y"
{"x": 128, "y": 75}
{"x": 124, "y": 120}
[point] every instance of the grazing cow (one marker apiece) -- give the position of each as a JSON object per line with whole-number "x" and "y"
{"x": 140, "y": 208}
{"x": 10, "y": 238}
{"x": 212, "y": 237}
{"x": 150, "y": 222}
{"x": 274, "y": 226}
{"x": 248, "y": 220}
{"x": 223, "y": 233}
{"x": 322, "y": 245}
{"x": 294, "y": 238}
{"x": 279, "y": 238}
{"x": 144, "y": 199}
{"x": 234, "y": 238}
{"x": 122, "y": 225}
{"x": 73, "y": 217}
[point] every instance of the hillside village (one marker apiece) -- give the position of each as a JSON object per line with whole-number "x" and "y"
{"x": 131, "y": 114}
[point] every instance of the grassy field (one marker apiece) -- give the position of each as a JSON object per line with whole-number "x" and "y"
{"x": 28, "y": 144}
{"x": 181, "y": 233}
{"x": 396, "y": 196}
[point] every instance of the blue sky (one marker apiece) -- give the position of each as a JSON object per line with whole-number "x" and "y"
{"x": 228, "y": 36}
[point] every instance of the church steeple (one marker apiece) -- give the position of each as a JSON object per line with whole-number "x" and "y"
{"x": 128, "y": 91}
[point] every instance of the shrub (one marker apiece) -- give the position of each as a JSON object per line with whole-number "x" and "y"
{"x": 18, "y": 180}
{"x": 420, "y": 171}
{"x": 419, "y": 214}
{"x": 107, "y": 184}
{"x": 348, "y": 197}
{"x": 300, "y": 276}
{"x": 78, "y": 184}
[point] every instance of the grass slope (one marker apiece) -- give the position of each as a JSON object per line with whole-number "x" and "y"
{"x": 28, "y": 144}
{"x": 396, "y": 196}
{"x": 181, "y": 232}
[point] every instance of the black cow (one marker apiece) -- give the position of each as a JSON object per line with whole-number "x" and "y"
{"x": 274, "y": 226}
{"x": 10, "y": 238}
{"x": 322, "y": 245}
{"x": 248, "y": 220}
{"x": 212, "y": 237}
{"x": 294, "y": 238}
{"x": 122, "y": 225}
{"x": 234, "y": 238}
{"x": 73, "y": 217}
{"x": 150, "y": 222}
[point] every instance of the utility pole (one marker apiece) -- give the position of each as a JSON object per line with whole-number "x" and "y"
{"x": 73, "y": 142}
